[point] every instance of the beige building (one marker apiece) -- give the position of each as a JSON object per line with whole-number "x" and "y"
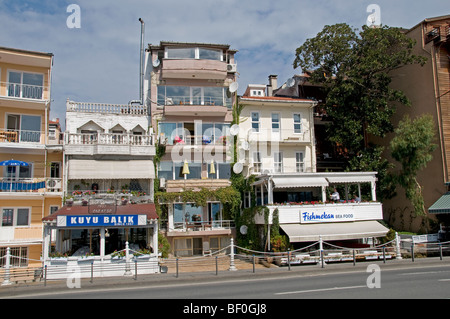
{"x": 32, "y": 190}
{"x": 428, "y": 89}
{"x": 191, "y": 105}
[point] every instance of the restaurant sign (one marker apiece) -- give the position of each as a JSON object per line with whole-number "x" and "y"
{"x": 101, "y": 220}
{"x": 325, "y": 216}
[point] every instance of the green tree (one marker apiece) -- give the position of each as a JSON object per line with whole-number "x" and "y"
{"x": 412, "y": 146}
{"x": 354, "y": 70}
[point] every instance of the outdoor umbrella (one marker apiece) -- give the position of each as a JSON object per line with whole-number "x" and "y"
{"x": 13, "y": 163}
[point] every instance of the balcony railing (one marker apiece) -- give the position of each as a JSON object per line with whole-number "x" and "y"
{"x": 106, "y": 108}
{"x": 188, "y": 100}
{"x": 108, "y": 139}
{"x": 20, "y": 136}
{"x": 279, "y": 135}
{"x": 31, "y": 185}
{"x": 204, "y": 225}
{"x": 196, "y": 140}
{"x": 26, "y": 91}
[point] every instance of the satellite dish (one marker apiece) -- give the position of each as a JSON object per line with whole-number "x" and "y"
{"x": 234, "y": 129}
{"x": 237, "y": 168}
{"x": 243, "y": 229}
{"x": 233, "y": 87}
{"x": 245, "y": 146}
{"x": 156, "y": 63}
{"x": 290, "y": 82}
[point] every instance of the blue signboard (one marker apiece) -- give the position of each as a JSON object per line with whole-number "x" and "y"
{"x": 101, "y": 220}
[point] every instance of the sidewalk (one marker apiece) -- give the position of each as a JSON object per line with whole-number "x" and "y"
{"x": 245, "y": 273}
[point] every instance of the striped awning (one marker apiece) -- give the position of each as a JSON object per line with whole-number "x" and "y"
{"x": 441, "y": 206}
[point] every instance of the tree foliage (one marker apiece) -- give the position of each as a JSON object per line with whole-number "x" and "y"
{"x": 353, "y": 69}
{"x": 412, "y": 147}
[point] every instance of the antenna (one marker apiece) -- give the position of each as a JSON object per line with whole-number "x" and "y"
{"x": 156, "y": 63}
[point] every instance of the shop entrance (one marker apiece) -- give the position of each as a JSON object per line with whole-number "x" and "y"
{"x": 79, "y": 242}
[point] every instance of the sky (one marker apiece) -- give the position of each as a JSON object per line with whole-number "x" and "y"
{"x": 98, "y": 60}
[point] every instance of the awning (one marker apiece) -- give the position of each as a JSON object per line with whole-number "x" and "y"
{"x": 289, "y": 182}
{"x": 132, "y": 169}
{"x": 342, "y": 179}
{"x": 334, "y": 231}
{"x": 441, "y": 206}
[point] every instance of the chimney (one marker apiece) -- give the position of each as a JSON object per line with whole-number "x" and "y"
{"x": 273, "y": 85}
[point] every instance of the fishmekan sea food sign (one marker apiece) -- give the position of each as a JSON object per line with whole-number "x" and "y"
{"x": 325, "y": 216}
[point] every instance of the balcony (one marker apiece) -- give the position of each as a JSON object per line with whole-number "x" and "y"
{"x": 88, "y": 107}
{"x": 109, "y": 143}
{"x": 214, "y": 227}
{"x": 21, "y": 136}
{"x": 285, "y": 136}
{"x": 31, "y": 185}
{"x": 194, "y": 69}
{"x": 22, "y": 91}
{"x": 195, "y": 184}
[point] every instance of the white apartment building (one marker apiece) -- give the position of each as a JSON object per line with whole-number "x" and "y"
{"x": 277, "y": 145}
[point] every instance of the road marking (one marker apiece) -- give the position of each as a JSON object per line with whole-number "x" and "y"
{"x": 444, "y": 280}
{"x": 318, "y": 290}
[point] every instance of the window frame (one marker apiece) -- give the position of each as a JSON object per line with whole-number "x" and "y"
{"x": 297, "y": 123}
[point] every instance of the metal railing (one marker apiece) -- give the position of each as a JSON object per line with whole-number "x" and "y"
{"x": 88, "y": 107}
{"x": 108, "y": 139}
{"x": 230, "y": 258}
{"x": 30, "y": 184}
{"x": 26, "y": 91}
{"x": 204, "y": 225}
{"x": 20, "y": 136}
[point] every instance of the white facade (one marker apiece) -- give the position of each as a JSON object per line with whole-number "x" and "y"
{"x": 276, "y": 134}
{"x": 108, "y": 147}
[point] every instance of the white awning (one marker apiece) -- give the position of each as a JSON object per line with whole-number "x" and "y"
{"x": 351, "y": 179}
{"x": 97, "y": 169}
{"x": 334, "y": 231}
{"x": 289, "y": 182}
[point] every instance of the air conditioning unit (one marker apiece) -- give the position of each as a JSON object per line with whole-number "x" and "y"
{"x": 162, "y": 183}
{"x": 231, "y": 68}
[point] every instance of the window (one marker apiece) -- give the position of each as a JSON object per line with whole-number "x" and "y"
{"x": 15, "y": 217}
{"x": 165, "y": 170}
{"x": 278, "y": 162}
{"x": 22, "y": 216}
{"x": 210, "y": 54}
{"x": 297, "y": 123}
{"x": 25, "y": 85}
{"x": 299, "y": 162}
{"x": 19, "y": 256}
{"x": 19, "y": 172}
{"x": 186, "y": 95}
{"x": 255, "y": 121}
{"x": 7, "y": 217}
{"x": 180, "y": 53}
{"x": 257, "y": 162}
{"x": 275, "y": 122}
{"x": 27, "y": 127}
{"x": 194, "y": 53}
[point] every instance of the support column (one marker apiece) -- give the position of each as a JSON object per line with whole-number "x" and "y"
{"x": 232, "y": 266}
{"x": 102, "y": 242}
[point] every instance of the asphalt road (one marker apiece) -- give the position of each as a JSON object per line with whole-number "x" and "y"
{"x": 423, "y": 279}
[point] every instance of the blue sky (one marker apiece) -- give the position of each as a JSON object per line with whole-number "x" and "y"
{"x": 99, "y": 62}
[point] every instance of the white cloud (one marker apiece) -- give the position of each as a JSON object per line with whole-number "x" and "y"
{"x": 100, "y": 61}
